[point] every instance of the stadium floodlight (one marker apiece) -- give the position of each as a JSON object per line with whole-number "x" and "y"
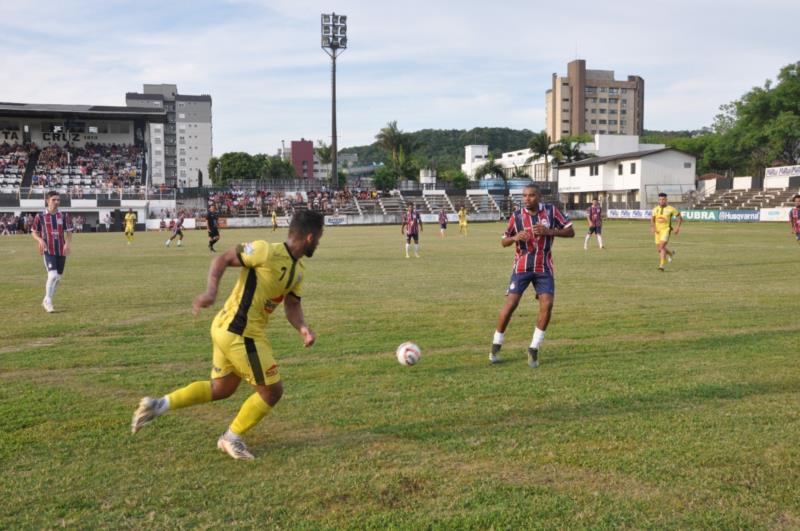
{"x": 334, "y": 42}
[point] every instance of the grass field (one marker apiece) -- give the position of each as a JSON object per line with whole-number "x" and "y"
{"x": 663, "y": 400}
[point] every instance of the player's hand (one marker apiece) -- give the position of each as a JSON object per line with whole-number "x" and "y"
{"x": 308, "y": 336}
{"x": 677, "y": 230}
{"x": 524, "y": 235}
{"x": 204, "y": 300}
{"x": 539, "y": 230}
{"x": 66, "y": 249}
{"x": 41, "y": 247}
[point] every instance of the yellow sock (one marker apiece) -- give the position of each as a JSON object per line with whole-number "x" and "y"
{"x": 252, "y": 411}
{"x": 661, "y": 262}
{"x": 192, "y": 394}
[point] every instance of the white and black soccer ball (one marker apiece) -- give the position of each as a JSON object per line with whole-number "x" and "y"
{"x": 408, "y": 353}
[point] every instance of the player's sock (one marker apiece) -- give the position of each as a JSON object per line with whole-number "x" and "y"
{"x": 586, "y": 243}
{"x": 416, "y": 249}
{"x": 192, "y": 394}
{"x": 55, "y": 285}
{"x": 538, "y": 337}
{"x": 661, "y": 262}
{"x": 407, "y": 248}
{"x": 252, "y": 411}
{"x": 600, "y": 241}
{"x": 49, "y": 285}
{"x": 167, "y": 244}
{"x": 498, "y": 338}
{"x": 180, "y": 242}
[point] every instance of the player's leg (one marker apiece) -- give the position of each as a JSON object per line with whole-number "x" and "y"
{"x": 416, "y": 245}
{"x": 260, "y": 370}
{"x": 180, "y": 238}
{"x": 49, "y": 286}
{"x": 408, "y": 245}
{"x": 662, "y": 254}
{"x": 599, "y": 232}
{"x": 544, "y": 284}
{"x": 516, "y": 288}
{"x": 586, "y": 239}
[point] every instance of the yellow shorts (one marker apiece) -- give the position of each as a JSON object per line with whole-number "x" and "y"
{"x": 662, "y": 235}
{"x": 250, "y": 359}
{"x": 128, "y": 229}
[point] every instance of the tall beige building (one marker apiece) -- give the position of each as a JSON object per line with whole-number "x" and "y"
{"x": 592, "y": 101}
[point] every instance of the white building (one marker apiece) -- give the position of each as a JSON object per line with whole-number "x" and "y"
{"x": 627, "y": 179}
{"x": 476, "y": 156}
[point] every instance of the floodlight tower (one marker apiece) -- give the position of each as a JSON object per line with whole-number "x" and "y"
{"x": 334, "y": 42}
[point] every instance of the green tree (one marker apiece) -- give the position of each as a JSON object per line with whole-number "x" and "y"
{"x": 238, "y": 165}
{"x": 392, "y": 140}
{"x": 323, "y": 151}
{"x": 212, "y": 170}
{"x": 542, "y": 147}
{"x": 385, "y": 178}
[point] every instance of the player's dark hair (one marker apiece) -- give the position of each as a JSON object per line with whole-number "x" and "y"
{"x": 51, "y": 193}
{"x": 662, "y": 194}
{"x": 534, "y": 186}
{"x": 306, "y": 222}
{"x": 795, "y": 196}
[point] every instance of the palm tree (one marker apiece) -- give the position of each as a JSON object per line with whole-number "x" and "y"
{"x": 391, "y": 139}
{"x": 569, "y": 150}
{"x": 493, "y": 168}
{"x": 542, "y": 146}
{"x": 324, "y": 152}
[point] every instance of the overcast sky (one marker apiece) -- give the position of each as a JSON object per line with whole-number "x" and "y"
{"x": 424, "y": 63}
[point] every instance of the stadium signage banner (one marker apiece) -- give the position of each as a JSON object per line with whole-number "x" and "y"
{"x": 782, "y": 171}
{"x": 739, "y": 215}
{"x": 775, "y": 214}
{"x": 616, "y": 213}
{"x": 700, "y": 215}
{"x": 434, "y": 218}
{"x": 335, "y": 220}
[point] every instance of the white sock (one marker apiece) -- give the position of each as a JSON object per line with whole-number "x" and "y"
{"x": 167, "y": 244}
{"x": 229, "y": 435}
{"x": 498, "y": 338}
{"x": 600, "y": 240}
{"x": 55, "y": 285}
{"x": 538, "y": 337}
{"x": 416, "y": 248}
{"x": 163, "y": 405}
{"x": 49, "y": 287}
{"x": 179, "y": 242}
{"x": 586, "y": 241}
{"x": 407, "y": 248}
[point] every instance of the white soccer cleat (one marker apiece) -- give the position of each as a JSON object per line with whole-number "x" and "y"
{"x": 48, "y": 306}
{"x": 148, "y": 410}
{"x": 234, "y": 447}
{"x": 670, "y": 257}
{"x": 167, "y": 244}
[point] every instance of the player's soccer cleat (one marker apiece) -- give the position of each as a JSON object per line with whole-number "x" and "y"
{"x": 533, "y": 357}
{"x": 670, "y": 256}
{"x": 48, "y": 306}
{"x": 416, "y": 255}
{"x": 234, "y": 447}
{"x": 493, "y": 357}
{"x": 661, "y": 268}
{"x": 148, "y": 410}
{"x": 167, "y": 244}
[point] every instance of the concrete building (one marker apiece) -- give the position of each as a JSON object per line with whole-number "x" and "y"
{"x": 476, "y": 156}
{"x": 181, "y": 148}
{"x": 626, "y": 174}
{"x": 592, "y": 101}
{"x": 302, "y": 156}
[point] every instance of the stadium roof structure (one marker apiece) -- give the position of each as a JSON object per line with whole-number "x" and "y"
{"x": 86, "y": 111}
{"x": 619, "y": 156}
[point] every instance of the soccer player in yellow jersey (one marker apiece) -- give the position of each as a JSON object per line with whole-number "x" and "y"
{"x": 270, "y": 273}
{"x": 274, "y": 220}
{"x": 130, "y": 223}
{"x": 661, "y": 227}
{"x": 462, "y": 221}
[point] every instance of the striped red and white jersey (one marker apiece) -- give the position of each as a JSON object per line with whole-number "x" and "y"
{"x": 534, "y": 255}
{"x": 794, "y": 218}
{"x": 412, "y": 222}
{"x": 595, "y": 216}
{"x": 51, "y": 228}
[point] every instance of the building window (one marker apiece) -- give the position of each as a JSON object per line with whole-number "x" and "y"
{"x": 572, "y": 172}
{"x": 594, "y": 170}
{"x": 612, "y": 111}
{"x": 590, "y": 90}
{"x": 603, "y": 122}
{"x": 633, "y": 168}
{"x": 564, "y": 132}
{"x": 623, "y": 111}
{"x": 623, "y": 122}
{"x": 564, "y": 121}
{"x": 624, "y": 101}
{"x": 603, "y": 100}
{"x": 602, "y": 89}
{"x": 603, "y": 132}
{"x": 157, "y": 140}
{"x": 593, "y": 121}
{"x": 613, "y": 100}
{"x": 565, "y": 100}
{"x": 602, "y": 111}
{"x": 619, "y": 169}
{"x": 612, "y": 122}
{"x": 182, "y": 115}
{"x": 687, "y": 164}
{"x": 594, "y": 111}
{"x": 613, "y": 90}
{"x": 624, "y": 91}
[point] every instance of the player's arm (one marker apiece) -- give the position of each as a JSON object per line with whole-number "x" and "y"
{"x": 229, "y": 258}
{"x": 680, "y": 221}
{"x": 511, "y": 240}
{"x": 653, "y": 224}
{"x": 294, "y": 314}
{"x": 564, "y": 232}
{"x": 35, "y": 233}
{"x": 403, "y": 227}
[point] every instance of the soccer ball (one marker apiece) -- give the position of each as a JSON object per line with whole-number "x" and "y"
{"x": 408, "y": 353}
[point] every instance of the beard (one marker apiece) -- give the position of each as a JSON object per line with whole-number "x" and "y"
{"x": 309, "y": 251}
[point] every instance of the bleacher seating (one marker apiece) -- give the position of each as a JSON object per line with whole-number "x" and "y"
{"x": 13, "y": 161}
{"x": 482, "y": 204}
{"x": 435, "y": 203}
{"x": 747, "y": 199}
{"x": 393, "y": 204}
{"x": 91, "y": 167}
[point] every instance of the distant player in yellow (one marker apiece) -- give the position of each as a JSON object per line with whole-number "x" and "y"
{"x": 270, "y": 273}
{"x": 274, "y": 220}
{"x": 130, "y": 223}
{"x": 462, "y": 221}
{"x": 661, "y": 227}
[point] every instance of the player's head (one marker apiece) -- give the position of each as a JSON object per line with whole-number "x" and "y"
{"x": 662, "y": 199}
{"x": 307, "y": 226}
{"x": 212, "y": 207}
{"x": 531, "y": 195}
{"x": 595, "y": 202}
{"x": 130, "y": 211}
{"x": 410, "y": 207}
{"x": 796, "y": 200}
{"x": 52, "y": 200}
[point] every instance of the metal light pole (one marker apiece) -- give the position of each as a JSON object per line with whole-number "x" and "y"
{"x": 334, "y": 42}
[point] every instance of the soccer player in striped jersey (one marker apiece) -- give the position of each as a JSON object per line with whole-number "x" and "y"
{"x": 594, "y": 214}
{"x": 53, "y": 232}
{"x": 270, "y": 273}
{"x": 412, "y": 226}
{"x": 177, "y": 232}
{"x": 794, "y": 217}
{"x": 442, "y": 223}
{"x": 532, "y": 229}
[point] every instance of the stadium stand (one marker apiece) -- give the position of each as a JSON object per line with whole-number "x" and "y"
{"x": 434, "y": 203}
{"x": 94, "y": 167}
{"x": 482, "y": 204}
{"x": 393, "y": 204}
{"x": 13, "y": 166}
{"x": 746, "y": 199}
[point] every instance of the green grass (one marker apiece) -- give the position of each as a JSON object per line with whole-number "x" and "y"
{"x": 664, "y": 400}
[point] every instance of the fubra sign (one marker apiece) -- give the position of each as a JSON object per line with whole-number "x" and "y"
{"x": 700, "y": 215}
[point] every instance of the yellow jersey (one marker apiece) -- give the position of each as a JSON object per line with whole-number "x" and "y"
{"x": 663, "y": 216}
{"x": 269, "y": 272}
{"x": 462, "y": 216}
{"x": 130, "y": 219}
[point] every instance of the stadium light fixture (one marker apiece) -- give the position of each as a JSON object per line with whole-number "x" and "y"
{"x": 334, "y": 43}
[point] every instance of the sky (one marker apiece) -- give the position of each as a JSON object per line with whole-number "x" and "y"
{"x": 426, "y": 64}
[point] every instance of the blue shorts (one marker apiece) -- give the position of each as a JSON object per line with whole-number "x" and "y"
{"x": 596, "y": 230}
{"x": 55, "y": 263}
{"x": 542, "y": 283}
{"x": 797, "y": 236}
{"x": 414, "y": 236}
{"x": 442, "y": 225}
